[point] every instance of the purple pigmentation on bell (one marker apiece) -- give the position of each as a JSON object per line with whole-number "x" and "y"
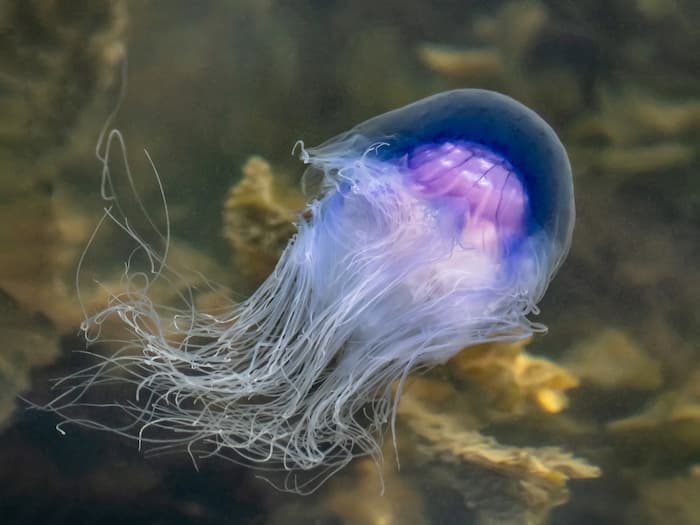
{"x": 479, "y": 183}
{"x": 437, "y": 226}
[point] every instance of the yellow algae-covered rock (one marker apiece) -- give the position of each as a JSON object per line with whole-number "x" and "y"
{"x": 612, "y": 360}
{"x": 635, "y": 133}
{"x": 462, "y": 62}
{"x": 358, "y": 496}
{"x": 628, "y": 117}
{"x": 448, "y": 439}
{"x": 440, "y": 447}
{"x": 502, "y": 484}
{"x": 259, "y": 220}
{"x": 54, "y": 62}
{"x": 400, "y": 504}
{"x": 671, "y": 422}
{"x": 47, "y": 237}
{"x": 55, "y": 66}
{"x": 512, "y": 380}
{"x": 441, "y": 424}
{"x": 28, "y": 341}
{"x": 497, "y": 52}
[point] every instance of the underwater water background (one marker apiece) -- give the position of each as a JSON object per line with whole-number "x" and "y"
{"x": 596, "y": 422}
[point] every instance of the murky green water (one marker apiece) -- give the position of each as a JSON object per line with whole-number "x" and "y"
{"x": 597, "y": 421}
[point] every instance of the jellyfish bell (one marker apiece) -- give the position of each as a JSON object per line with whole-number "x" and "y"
{"x": 438, "y": 226}
{"x": 490, "y": 190}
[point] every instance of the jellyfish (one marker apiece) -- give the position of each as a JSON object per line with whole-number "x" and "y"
{"x": 431, "y": 228}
